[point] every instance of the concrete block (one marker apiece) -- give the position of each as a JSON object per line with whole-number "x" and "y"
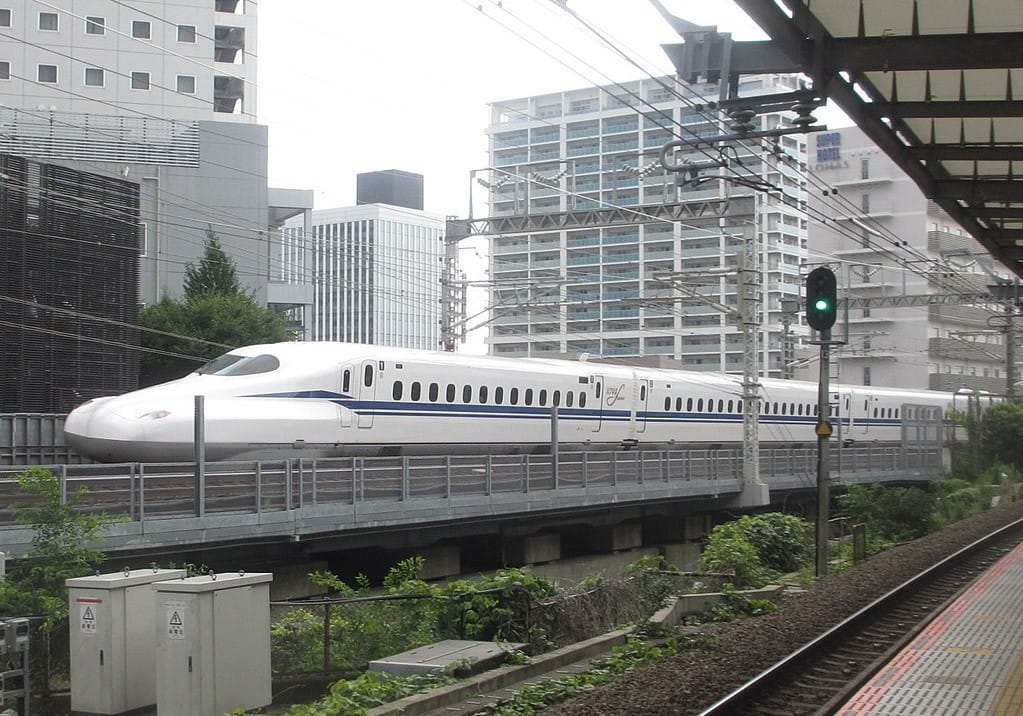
{"x": 291, "y": 581}
{"x": 533, "y": 549}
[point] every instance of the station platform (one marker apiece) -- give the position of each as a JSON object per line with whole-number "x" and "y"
{"x": 967, "y": 661}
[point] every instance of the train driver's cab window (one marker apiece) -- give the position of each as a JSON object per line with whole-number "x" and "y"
{"x": 367, "y": 376}
{"x": 233, "y": 364}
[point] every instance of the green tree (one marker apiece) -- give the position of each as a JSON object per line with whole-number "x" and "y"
{"x": 214, "y": 316}
{"x": 758, "y": 547}
{"x": 1001, "y": 434}
{"x": 216, "y": 272}
{"x": 65, "y": 545}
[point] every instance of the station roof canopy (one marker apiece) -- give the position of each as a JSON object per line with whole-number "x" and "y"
{"x": 936, "y": 85}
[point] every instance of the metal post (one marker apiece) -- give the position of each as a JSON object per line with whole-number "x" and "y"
{"x": 554, "y": 445}
{"x": 200, "y": 456}
{"x": 823, "y": 433}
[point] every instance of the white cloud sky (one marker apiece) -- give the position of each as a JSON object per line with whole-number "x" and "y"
{"x": 349, "y": 86}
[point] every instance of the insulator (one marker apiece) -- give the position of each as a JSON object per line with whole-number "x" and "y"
{"x": 742, "y": 119}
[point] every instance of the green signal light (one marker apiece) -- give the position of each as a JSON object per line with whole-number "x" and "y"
{"x": 821, "y": 305}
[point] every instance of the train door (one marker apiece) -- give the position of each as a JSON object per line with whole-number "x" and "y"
{"x": 367, "y": 393}
{"x": 640, "y": 402}
{"x": 597, "y": 383}
{"x": 347, "y": 377}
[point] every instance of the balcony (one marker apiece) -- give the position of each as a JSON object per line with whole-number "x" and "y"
{"x": 228, "y": 44}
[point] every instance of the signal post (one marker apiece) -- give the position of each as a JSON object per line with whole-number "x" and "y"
{"x": 821, "y": 312}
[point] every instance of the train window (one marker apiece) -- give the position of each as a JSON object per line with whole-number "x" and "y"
{"x": 367, "y": 376}
{"x": 466, "y": 393}
{"x": 582, "y": 399}
{"x": 847, "y": 404}
{"x": 642, "y": 392}
{"x": 816, "y": 410}
{"x": 417, "y": 390}
{"x": 233, "y": 364}
{"x": 569, "y": 398}
{"x": 514, "y": 398}
{"x": 896, "y": 412}
{"x": 498, "y": 395}
{"x": 450, "y": 393}
{"x": 543, "y": 396}
{"x": 667, "y": 405}
{"x": 889, "y": 412}
{"x": 875, "y": 412}
{"x": 721, "y": 405}
{"x": 866, "y": 405}
{"x": 800, "y": 408}
{"x": 396, "y": 390}
{"x": 596, "y": 390}
{"x": 678, "y": 405}
{"x": 689, "y": 404}
{"x": 699, "y": 405}
{"x": 483, "y": 394}
{"x": 346, "y": 380}
{"x": 434, "y": 392}
{"x": 730, "y": 405}
{"x": 529, "y": 396}
{"x": 738, "y": 406}
{"x": 556, "y": 398}
{"x": 784, "y": 408}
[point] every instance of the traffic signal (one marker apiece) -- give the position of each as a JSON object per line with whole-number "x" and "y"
{"x": 821, "y": 298}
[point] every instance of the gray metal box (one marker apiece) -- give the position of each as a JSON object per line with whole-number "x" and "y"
{"x": 113, "y": 663}
{"x": 213, "y": 644}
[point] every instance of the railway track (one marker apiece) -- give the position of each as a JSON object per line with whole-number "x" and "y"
{"x": 825, "y": 673}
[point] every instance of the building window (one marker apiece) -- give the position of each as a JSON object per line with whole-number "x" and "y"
{"x": 141, "y": 29}
{"x": 95, "y": 26}
{"x": 140, "y": 80}
{"x": 866, "y": 375}
{"x": 865, "y": 203}
{"x": 94, "y": 77}
{"x": 186, "y": 33}
{"x": 864, "y": 169}
{"x": 5, "y": 70}
{"x": 186, "y": 84}
{"x": 49, "y": 21}
{"x": 47, "y": 73}
{"x": 5, "y": 18}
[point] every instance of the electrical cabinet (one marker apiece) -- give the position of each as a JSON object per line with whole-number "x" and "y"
{"x": 213, "y": 644}
{"x": 113, "y": 662}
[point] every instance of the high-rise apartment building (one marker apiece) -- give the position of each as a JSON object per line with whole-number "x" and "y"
{"x": 886, "y": 241}
{"x": 375, "y": 272}
{"x": 180, "y": 59}
{"x": 573, "y": 288}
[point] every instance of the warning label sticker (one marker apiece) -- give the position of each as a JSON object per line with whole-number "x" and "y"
{"x": 175, "y": 622}
{"x": 87, "y": 617}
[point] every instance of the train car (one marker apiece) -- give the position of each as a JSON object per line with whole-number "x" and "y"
{"x": 326, "y": 399}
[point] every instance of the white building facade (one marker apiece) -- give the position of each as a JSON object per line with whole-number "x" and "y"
{"x": 169, "y": 59}
{"x": 577, "y": 289}
{"x": 885, "y": 240}
{"x": 376, "y": 274}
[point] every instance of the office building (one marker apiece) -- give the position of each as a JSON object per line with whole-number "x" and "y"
{"x": 887, "y": 242}
{"x": 375, "y": 272}
{"x": 572, "y": 288}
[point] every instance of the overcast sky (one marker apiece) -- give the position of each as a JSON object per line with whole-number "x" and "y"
{"x": 349, "y": 86}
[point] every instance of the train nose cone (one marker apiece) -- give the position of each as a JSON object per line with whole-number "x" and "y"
{"x": 98, "y": 432}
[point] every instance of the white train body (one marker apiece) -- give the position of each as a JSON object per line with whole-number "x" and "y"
{"x": 327, "y": 399}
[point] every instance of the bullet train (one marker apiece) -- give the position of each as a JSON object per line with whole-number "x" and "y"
{"x": 325, "y": 399}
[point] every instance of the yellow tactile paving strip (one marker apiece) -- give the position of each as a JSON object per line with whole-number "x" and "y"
{"x": 968, "y": 661}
